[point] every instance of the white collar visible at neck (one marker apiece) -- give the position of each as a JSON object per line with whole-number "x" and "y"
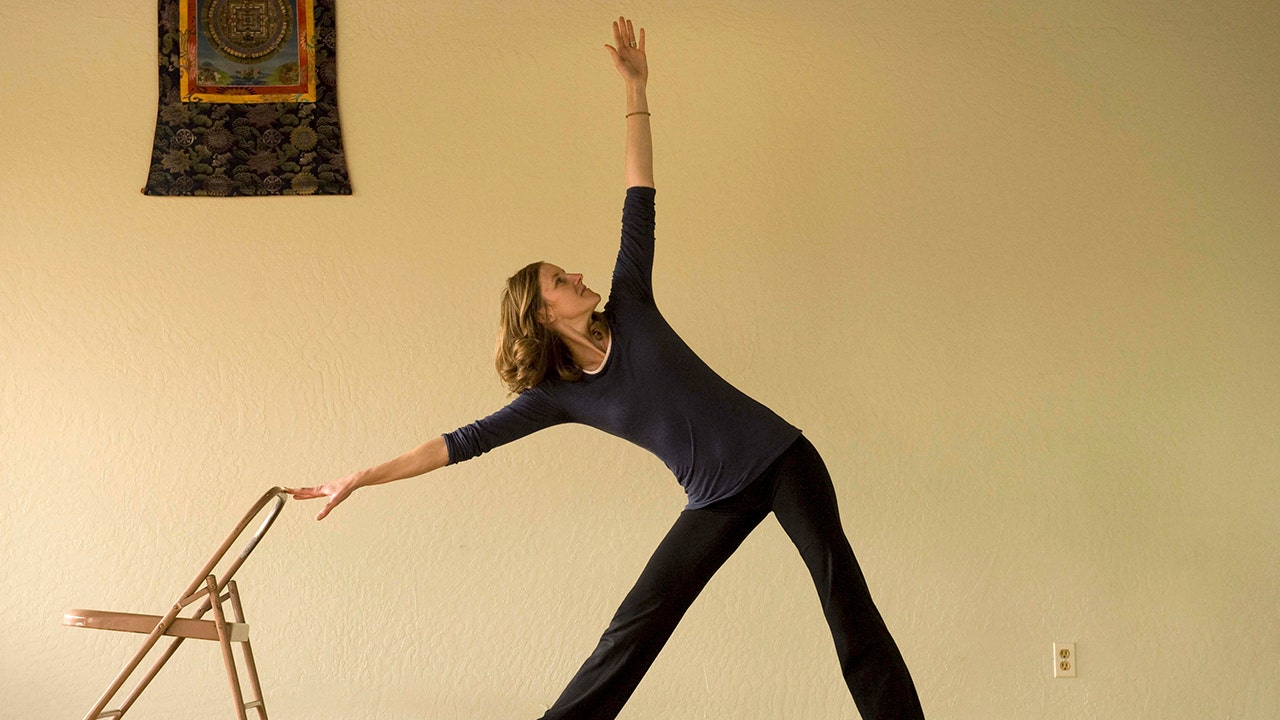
{"x": 608, "y": 349}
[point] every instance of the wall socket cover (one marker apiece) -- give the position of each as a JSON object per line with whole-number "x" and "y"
{"x": 1064, "y": 660}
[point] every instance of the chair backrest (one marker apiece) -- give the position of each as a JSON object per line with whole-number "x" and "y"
{"x": 279, "y": 495}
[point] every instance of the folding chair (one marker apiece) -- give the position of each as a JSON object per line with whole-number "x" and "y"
{"x": 210, "y": 588}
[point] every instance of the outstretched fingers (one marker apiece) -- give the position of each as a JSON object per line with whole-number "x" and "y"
{"x": 333, "y": 503}
{"x": 628, "y": 50}
{"x": 334, "y": 494}
{"x": 624, "y": 34}
{"x": 629, "y": 32}
{"x": 307, "y": 493}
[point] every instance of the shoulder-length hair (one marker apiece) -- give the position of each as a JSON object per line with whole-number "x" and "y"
{"x": 527, "y": 348}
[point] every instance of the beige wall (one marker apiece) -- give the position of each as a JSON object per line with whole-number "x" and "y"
{"x": 1014, "y": 269}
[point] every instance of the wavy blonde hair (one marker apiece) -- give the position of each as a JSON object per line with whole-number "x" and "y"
{"x": 527, "y": 348}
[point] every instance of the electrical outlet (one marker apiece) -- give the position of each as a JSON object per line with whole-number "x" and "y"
{"x": 1064, "y": 660}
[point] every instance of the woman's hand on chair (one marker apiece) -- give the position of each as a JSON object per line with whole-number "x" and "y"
{"x": 336, "y": 491}
{"x": 430, "y": 455}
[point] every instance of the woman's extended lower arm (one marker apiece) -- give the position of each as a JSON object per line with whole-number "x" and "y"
{"x": 639, "y": 160}
{"x": 430, "y": 455}
{"x": 632, "y": 64}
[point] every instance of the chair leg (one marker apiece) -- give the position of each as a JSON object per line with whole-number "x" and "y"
{"x": 250, "y": 666}
{"x": 164, "y": 658}
{"x": 224, "y": 640}
{"x": 151, "y": 674}
{"x": 99, "y": 709}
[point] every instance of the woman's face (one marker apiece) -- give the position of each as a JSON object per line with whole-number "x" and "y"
{"x": 565, "y": 296}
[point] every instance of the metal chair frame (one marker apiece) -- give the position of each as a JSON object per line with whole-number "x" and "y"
{"x": 214, "y": 592}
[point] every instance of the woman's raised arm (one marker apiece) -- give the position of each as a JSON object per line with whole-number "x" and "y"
{"x": 632, "y": 64}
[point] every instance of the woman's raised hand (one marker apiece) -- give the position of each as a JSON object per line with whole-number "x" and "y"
{"x": 628, "y": 54}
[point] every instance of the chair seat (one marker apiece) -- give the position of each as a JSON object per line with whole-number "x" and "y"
{"x": 135, "y": 623}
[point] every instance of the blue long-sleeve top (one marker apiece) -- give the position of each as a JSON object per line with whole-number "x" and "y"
{"x": 653, "y": 390}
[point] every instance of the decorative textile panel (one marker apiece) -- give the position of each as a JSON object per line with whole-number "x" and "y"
{"x": 248, "y": 100}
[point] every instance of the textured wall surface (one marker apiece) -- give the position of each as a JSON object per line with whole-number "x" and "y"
{"x": 1015, "y": 269}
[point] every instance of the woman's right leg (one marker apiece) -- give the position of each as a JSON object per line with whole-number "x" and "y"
{"x": 696, "y": 546}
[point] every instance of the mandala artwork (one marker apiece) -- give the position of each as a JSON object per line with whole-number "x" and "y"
{"x": 248, "y": 100}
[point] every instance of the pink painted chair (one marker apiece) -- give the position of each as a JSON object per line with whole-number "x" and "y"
{"x": 212, "y": 591}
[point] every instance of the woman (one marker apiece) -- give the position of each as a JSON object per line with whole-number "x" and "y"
{"x": 625, "y": 371}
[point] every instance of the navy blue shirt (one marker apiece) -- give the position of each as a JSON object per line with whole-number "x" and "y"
{"x": 653, "y": 390}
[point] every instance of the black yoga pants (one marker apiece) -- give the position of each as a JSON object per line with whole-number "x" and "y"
{"x": 797, "y": 489}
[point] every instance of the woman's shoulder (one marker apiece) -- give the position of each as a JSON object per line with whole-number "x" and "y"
{"x": 627, "y": 311}
{"x": 546, "y": 399}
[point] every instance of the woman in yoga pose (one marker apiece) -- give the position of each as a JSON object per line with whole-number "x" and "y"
{"x": 626, "y": 372}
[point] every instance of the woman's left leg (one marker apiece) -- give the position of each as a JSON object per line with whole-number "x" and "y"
{"x": 804, "y": 502}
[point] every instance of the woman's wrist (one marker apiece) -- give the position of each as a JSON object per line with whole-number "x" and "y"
{"x": 366, "y": 477}
{"x": 637, "y": 97}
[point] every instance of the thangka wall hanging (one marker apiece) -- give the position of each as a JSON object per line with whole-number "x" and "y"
{"x": 248, "y": 100}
